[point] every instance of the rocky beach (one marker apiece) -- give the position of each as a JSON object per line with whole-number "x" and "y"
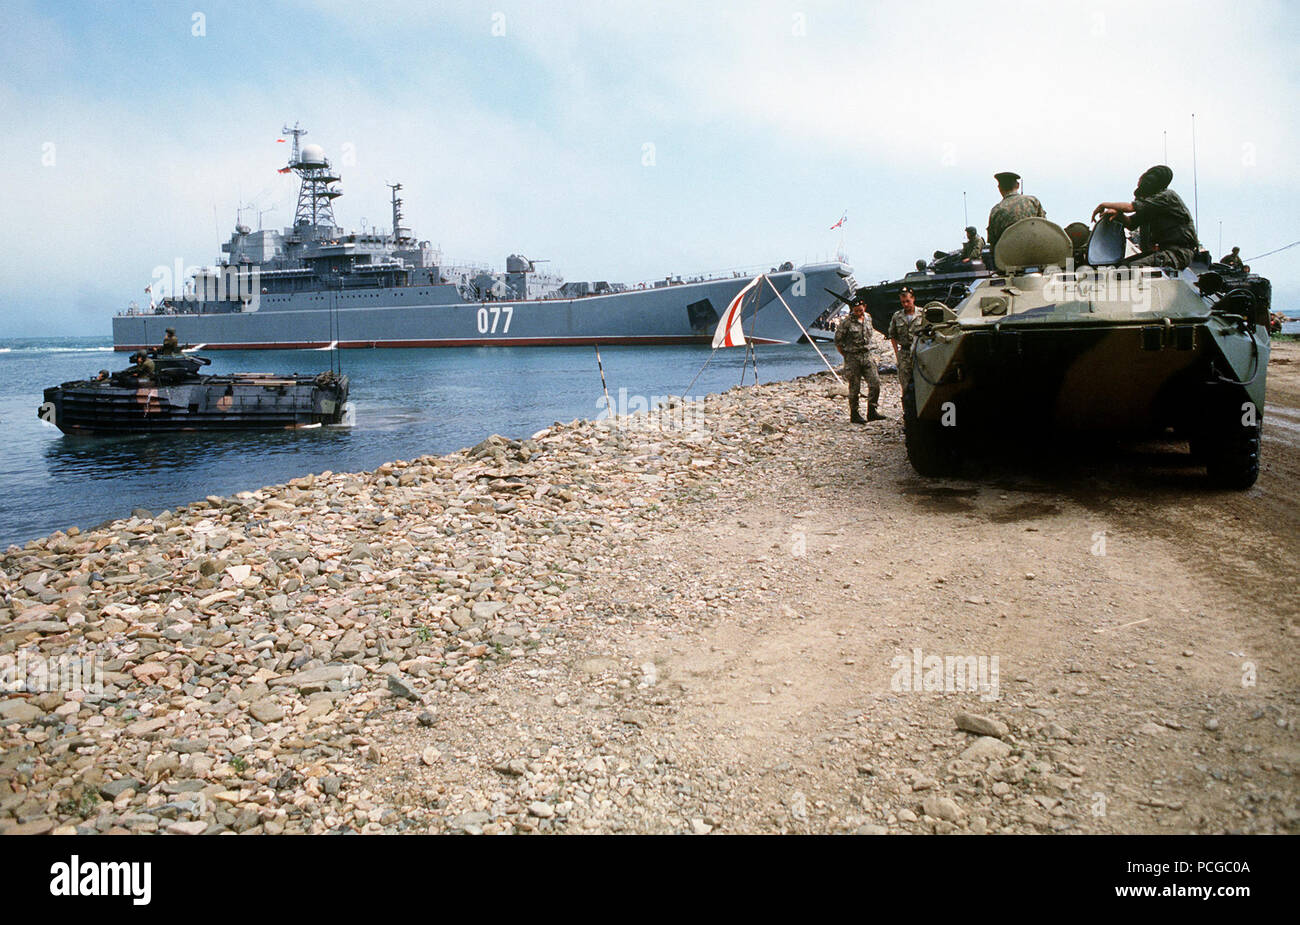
{"x": 720, "y": 617}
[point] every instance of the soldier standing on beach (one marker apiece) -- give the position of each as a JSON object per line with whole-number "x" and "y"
{"x": 1012, "y": 208}
{"x": 853, "y": 341}
{"x": 902, "y": 328}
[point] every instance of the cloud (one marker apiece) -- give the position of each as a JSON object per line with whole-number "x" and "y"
{"x": 766, "y": 122}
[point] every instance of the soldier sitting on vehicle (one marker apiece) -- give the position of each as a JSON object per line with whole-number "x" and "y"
{"x": 1013, "y": 206}
{"x": 142, "y": 367}
{"x": 170, "y": 345}
{"x": 1233, "y": 260}
{"x": 1167, "y": 233}
{"x": 973, "y": 247}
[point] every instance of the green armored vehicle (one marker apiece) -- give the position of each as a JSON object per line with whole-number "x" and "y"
{"x": 1041, "y": 349}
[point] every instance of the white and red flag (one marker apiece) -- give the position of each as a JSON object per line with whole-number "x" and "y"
{"x": 843, "y": 218}
{"x": 730, "y": 332}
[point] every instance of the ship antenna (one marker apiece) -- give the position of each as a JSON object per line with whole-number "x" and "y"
{"x": 296, "y": 133}
{"x": 1196, "y": 194}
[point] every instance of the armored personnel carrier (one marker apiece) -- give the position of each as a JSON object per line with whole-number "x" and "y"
{"x": 178, "y": 398}
{"x": 1107, "y": 348}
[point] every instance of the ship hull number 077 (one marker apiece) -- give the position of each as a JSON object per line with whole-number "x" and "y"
{"x": 497, "y": 316}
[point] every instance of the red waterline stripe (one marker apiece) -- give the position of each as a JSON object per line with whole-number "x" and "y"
{"x": 654, "y": 340}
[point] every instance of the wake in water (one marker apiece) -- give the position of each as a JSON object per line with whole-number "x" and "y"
{"x": 56, "y": 349}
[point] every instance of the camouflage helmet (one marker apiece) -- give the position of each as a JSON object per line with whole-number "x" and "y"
{"x": 171, "y": 330}
{"x": 970, "y": 230}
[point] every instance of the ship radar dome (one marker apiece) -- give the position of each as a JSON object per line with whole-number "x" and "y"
{"x": 312, "y": 155}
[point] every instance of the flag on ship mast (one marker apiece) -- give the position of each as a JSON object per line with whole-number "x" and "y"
{"x": 843, "y": 218}
{"x": 730, "y": 332}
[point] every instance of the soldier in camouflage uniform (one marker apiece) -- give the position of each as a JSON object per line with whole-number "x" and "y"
{"x": 1165, "y": 227}
{"x": 853, "y": 341}
{"x": 141, "y": 366}
{"x": 170, "y": 345}
{"x": 973, "y": 248}
{"x": 902, "y": 329}
{"x": 1233, "y": 260}
{"x": 1013, "y": 207}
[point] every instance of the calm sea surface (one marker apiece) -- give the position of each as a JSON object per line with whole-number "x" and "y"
{"x": 408, "y": 403}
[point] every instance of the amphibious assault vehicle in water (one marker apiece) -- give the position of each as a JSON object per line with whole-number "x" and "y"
{"x": 1104, "y": 348}
{"x": 178, "y": 398}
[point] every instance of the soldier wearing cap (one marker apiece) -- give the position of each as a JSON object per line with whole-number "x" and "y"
{"x": 1013, "y": 207}
{"x": 1233, "y": 260}
{"x": 1165, "y": 227}
{"x": 853, "y": 341}
{"x": 973, "y": 248}
{"x": 170, "y": 345}
{"x": 902, "y": 329}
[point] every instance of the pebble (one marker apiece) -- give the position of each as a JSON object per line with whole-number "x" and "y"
{"x": 986, "y": 748}
{"x": 266, "y": 711}
{"x": 941, "y": 807}
{"x": 981, "y": 725}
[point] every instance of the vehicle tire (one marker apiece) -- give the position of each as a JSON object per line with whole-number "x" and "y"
{"x": 1231, "y": 453}
{"x": 931, "y": 447}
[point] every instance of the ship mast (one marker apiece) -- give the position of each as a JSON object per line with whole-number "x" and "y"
{"x": 315, "y": 196}
{"x": 296, "y": 133}
{"x": 397, "y": 213}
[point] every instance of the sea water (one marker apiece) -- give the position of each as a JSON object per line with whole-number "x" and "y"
{"x": 407, "y": 403}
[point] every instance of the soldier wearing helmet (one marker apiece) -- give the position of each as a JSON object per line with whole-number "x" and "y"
{"x": 141, "y": 365}
{"x": 973, "y": 247}
{"x": 170, "y": 345}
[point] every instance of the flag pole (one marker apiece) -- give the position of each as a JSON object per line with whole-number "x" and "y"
{"x": 753, "y": 332}
{"x": 608, "y": 407}
{"x": 697, "y": 375}
{"x": 805, "y": 331}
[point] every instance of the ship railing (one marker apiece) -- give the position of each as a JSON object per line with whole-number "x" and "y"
{"x": 707, "y": 276}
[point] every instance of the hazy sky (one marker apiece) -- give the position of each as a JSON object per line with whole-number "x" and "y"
{"x": 623, "y": 141}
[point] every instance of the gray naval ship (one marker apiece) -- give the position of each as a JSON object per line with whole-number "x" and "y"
{"x": 314, "y": 285}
